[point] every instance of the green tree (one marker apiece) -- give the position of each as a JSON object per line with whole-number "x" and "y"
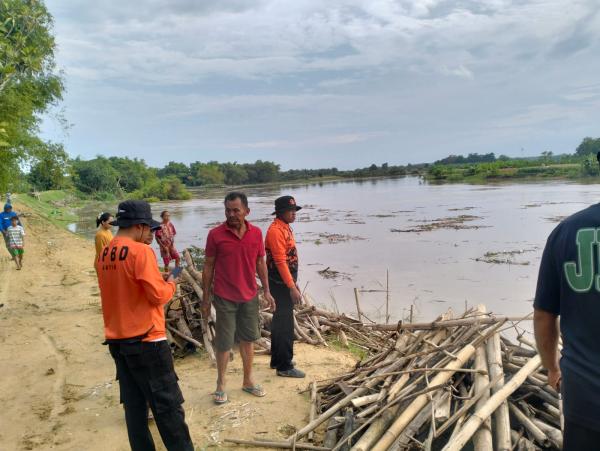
{"x": 29, "y": 84}
{"x": 587, "y": 146}
{"x": 589, "y": 166}
{"x": 207, "y": 173}
{"x": 95, "y": 176}
{"x": 50, "y": 169}
{"x": 234, "y": 173}
{"x": 262, "y": 171}
{"x": 179, "y": 170}
{"x": 131, "y": 174}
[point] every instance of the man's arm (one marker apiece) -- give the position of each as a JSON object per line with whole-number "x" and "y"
{"x": 157, "y": 290}
{"x": 546, "y": 329}
{"x": 261, "y": 270}
{"x": 208, "y": 274}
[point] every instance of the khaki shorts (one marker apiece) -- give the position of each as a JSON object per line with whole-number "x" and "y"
{"x": 235, "y": 320}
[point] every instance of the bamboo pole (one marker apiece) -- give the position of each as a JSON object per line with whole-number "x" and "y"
{"x": 387, "y": 296}
{"x": 533, "y": 430}
{"x": 473, "y": 423}
{"x": 445, "y": 324}
{"x": 482, "y": 440}
{"x": 276, "y": 444}
{"x": 357, "y": 299}
{"x": 415, "y": 407}
{"x": 313, "y": 407}
{"x": 184, "y": 336}
{"x": 331, "y": 435}
{"x": 554, "y": 434}
{"x": 500, "y": 417}
{"x": 464, "y": 409}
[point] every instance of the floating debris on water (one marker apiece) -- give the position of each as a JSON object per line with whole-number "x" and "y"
{"x": 461, "y": 209}
{"x": 504, "y": 257}
{"x": 557, "y": 218}
{"x": 454, "y": 222}
{"x": 329, "y": 273}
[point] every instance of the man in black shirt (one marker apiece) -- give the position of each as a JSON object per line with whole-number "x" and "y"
{"x": 569, "y": 287}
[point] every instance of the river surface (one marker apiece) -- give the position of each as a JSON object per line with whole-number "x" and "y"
{"x": 351, "y": 228}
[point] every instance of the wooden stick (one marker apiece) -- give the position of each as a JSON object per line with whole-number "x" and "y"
{"x": 535, "y": 431}
{"x": 554, "y": 434}
{"x": 445, "y": 324}
{"x": 482, "y": 440}
{"x": 415, "y": 407}
{"x": 465, "y": 408}
{"x": 387, "y": 296}
{"x": 500, "y": 417}
{"x": 313, "y": 407}
{"x": 184, "y": 336}
{"x": 432, "y": 369}
{"x": 331, "y": 435}
{"x": 276, "y": 444}
{"x": 356, "y": 297}
{"x": 473, "y": 423}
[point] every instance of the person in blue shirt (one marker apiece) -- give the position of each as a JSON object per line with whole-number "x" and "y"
{"x": 5, "y": 218}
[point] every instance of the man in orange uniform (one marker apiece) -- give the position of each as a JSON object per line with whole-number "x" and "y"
{"x": 133, "y": 295}
{"x": 282, "y": 264}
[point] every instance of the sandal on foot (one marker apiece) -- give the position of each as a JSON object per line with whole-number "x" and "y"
{"x": 219, "y": 397}
{"x": 255, "y": 390}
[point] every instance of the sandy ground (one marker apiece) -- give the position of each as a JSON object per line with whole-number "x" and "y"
{"x": 58, "y": 389}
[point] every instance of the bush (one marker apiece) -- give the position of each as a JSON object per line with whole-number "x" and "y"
{"x": 169, "y": 188}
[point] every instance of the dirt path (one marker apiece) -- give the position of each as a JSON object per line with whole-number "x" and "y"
{"x": 58, "y": 389}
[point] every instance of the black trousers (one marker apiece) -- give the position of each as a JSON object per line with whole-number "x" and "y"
{"x": 147, "y": 378}
{"x": 282, "y": 328}
{"x": 580, "y": 438}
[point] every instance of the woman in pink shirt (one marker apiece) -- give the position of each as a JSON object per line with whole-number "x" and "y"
{"x": 165, "y": 237}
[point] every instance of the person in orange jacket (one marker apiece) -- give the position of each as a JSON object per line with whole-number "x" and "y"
{"x": 282, "y": 264}
{"x": 134, "y": 293}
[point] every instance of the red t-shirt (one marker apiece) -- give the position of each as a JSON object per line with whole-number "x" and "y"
{"x": 235, "y": 261}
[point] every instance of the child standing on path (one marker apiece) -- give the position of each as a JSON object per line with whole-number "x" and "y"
{"x": 165, "y": 237}
{"x": 15, "y": 237}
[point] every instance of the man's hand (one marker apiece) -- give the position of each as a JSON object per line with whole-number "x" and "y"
{"x": 555, "y": 379}
{"x": 296, "y": 295}
{"x": 271, "y": 301}
{"x": 177, "y": 280}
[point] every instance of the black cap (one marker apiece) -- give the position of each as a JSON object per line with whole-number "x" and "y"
{"x": 132, "y": 212}
{"x": 285, "y": 203}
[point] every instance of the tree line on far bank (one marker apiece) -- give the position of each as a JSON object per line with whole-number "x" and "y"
{"x": 117, "y": 177}
{"x": 487, "y": 167}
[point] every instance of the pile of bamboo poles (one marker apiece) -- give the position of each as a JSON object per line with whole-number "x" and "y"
{"x": 187, "y": 330}
{"x": 451, "y": 384}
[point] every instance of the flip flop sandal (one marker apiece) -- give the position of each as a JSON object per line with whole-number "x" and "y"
{"x": 219, "y": 397}
{"x": 255, "y": 390}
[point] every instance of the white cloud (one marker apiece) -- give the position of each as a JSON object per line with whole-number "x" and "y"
{"x": 447, "y": 76}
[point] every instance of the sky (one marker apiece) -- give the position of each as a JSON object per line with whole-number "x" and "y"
{"x": 336, "y": 83}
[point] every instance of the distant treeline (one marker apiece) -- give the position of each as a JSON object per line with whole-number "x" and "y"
{"x": 487, "y": 167}
{"x": 215, "y": 173}
{"x": 118, "y": 177}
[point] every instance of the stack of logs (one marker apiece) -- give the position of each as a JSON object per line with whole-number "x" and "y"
{"x": 451, "y": 384}
{"x": 186, "y": 330}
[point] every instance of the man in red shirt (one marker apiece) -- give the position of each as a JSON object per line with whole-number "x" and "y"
{"x": 133, "y": 294}
{"x": 235, "y": 253}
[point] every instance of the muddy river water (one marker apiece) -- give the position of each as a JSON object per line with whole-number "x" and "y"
{"x": 442, "y": 245}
